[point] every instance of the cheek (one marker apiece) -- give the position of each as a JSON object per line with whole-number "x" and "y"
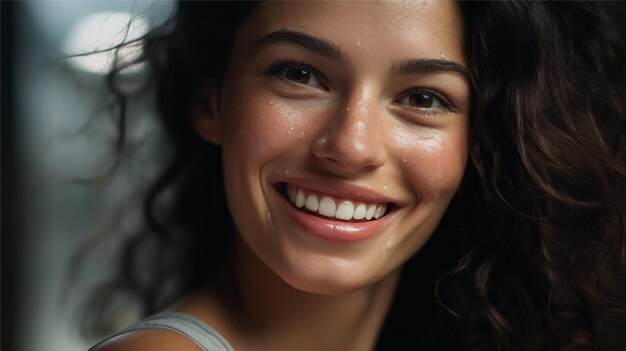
{"x": 435, "y": 162}
{"x": 260, "y": 127}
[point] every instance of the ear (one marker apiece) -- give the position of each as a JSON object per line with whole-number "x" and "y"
{"x": 205, "y": 114}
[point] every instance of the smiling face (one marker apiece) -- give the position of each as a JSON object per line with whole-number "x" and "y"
{"x": 344, "y": 133}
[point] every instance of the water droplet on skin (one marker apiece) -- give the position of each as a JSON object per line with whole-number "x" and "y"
{"x": 347, "y": 109}
{"x": 286, "y": 171}
{"x": 385, "y": 188}
{"x": 359, "y": 126}
{"x": 358, "y": 43}
{"x": 290, "y": 131}
{"x": 436, "y": 197}
{"x": 404, "y": 156}
{"x": 388, "y": 245}
{"x": 304, "y": 23}
{"x": 300, "y": 135}
{"x": 431, "y": 181}
{"x": 271, "y": 102}
{"x": 269, "y": 214}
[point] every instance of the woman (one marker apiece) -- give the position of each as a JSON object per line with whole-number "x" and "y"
{"x": 339, "y": 134}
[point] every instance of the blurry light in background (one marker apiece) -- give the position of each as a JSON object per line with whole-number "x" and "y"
{"x": 95, "y": 39}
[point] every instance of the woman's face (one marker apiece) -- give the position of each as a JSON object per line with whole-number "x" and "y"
{"x": 344, "y": 129}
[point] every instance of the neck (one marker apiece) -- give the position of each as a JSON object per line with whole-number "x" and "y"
{"x": 267, "y": 313}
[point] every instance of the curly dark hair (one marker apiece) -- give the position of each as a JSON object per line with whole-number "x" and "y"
{"x": 538, "y": 257}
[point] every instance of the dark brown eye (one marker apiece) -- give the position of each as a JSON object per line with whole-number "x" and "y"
{"x": 298, "y": 75}
{"x": 421, "y": 100}
{"x": 424, "y": 99}
{"x": 301, "y": 75}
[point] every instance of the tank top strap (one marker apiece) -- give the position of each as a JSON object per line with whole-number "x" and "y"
{"x": 207, "y": 338}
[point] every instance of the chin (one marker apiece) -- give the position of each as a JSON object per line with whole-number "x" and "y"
{"x": 326, "y": 275}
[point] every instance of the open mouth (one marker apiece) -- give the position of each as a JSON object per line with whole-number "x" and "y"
{"x": 328, "y": 206}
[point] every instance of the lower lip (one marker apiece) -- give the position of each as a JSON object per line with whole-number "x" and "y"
{"x": 335, "y": 230}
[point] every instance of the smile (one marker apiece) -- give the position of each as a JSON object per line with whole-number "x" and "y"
{"x": 333, "y": 207}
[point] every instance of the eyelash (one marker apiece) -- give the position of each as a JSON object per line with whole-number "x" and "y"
{"x": 444, "y": 101}
{"x": 276, "y": 67}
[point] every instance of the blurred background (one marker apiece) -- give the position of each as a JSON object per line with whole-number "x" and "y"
{"x": 49, "y": 103}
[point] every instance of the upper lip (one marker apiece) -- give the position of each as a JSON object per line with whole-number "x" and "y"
{"x": 340, "y": 189}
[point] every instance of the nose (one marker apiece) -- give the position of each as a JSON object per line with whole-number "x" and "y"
{"x": 351, "y": 143}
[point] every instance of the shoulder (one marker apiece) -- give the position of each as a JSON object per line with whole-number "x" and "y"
{"x": 148, "y": 339}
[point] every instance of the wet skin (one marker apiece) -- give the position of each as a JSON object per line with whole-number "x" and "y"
{"x": 365, "y": 103}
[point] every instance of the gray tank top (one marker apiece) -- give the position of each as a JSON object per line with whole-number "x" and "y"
{"x": 204, "y": 336}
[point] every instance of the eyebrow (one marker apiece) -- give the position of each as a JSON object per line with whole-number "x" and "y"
{"x": 330, "y": 51}
{"x": 429, "y": 66}
{"x": 318, "y": 46}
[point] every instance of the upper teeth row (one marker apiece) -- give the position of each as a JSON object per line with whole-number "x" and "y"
{"x": 329, "y": 207}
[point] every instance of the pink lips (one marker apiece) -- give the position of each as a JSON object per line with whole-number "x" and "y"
{"x": 334, "y": 229}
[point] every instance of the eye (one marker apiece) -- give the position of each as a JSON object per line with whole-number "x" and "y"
{"x": 297, "y": 72}
{"x": 424, "y": 99}
{"x": 301, "y": 75}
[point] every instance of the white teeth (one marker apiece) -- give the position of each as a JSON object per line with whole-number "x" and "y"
{"x": 378, "y": 212}
{"x": 359, "y": 211}
{"x": 300, "y": 199}
{"x": 327, "y": 207}
{"x": 345, "y": 210}
{"x": 312, "y": 203}
{"x": 292, "y": 195}
{"x": 342, "y": 209}
{"x": 370, "y": 212}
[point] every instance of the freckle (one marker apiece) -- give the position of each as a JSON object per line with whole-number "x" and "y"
{"x": 300, "y": 135}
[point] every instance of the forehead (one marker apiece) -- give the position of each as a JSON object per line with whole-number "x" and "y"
{"x": 401, "y": 28}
